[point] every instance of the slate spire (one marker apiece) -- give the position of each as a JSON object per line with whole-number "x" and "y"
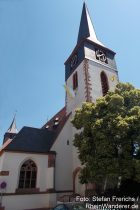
{"x": 12, "y": 130}
{"x": 13, "y": 127}
{"x": 86, "y": 29}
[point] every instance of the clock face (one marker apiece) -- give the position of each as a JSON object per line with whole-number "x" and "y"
{"x": 74, "y": 61}
{"x": 100, "y": 55}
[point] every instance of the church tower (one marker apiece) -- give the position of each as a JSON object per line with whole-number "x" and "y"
{"x": 11, "y": 132}
{"x": 90, "y": 70}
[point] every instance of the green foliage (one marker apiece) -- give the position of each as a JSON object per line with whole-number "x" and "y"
{"x": 109, "y": 129}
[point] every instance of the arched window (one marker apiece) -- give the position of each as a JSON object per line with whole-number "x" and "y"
{"x": 75, "y": 80}
{"x": 104, "y": 83}
{"x": 28, "y": 174}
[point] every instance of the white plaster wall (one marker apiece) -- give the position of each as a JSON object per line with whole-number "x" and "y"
{"x": 1, "y": 161}
{"x": 50, "y": 178}
{"x": 63, "y": 166}
{"x": 22, "y": 202}
{"x": 76, "y": 161}
{"x": 12, "y": 163}
{"x": 95, "y": 70}
{"x": 72, "y": 104}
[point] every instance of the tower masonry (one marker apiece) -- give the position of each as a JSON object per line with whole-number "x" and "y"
{"x": 90, "y": 70}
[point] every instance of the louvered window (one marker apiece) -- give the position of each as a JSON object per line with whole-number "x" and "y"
{"x": 75, "y": 80}
{"x": 104, "y": 83}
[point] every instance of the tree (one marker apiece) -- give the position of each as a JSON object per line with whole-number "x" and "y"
{"x": 109, "y": 136}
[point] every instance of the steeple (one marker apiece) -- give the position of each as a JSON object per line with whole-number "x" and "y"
{"x": 13, "y": 127}
{"x": 12, "y": 130}
{"x": 86, "y": 29}
{"x": 89, "y": 67}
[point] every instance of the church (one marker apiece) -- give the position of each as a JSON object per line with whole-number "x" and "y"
{"x": 39, "y": 166}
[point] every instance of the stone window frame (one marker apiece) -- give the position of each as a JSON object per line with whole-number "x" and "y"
{"x": 28, "y": 175}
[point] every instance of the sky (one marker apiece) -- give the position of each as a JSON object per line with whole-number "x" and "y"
{"x": 36, "y": 38}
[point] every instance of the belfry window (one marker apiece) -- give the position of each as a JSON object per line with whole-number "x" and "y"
{"x": 104, "y": 83}
{"x": 75, "y": 80}
{"x": 28, "y": 174}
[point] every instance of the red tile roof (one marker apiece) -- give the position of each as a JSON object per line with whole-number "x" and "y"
{"x": 62, "y": 119}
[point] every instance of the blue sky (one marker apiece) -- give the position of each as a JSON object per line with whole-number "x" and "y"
{"x": 37, "y": 36}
